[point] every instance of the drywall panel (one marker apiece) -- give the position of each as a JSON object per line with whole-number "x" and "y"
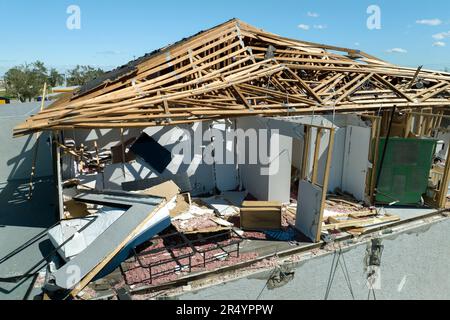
{"x": 309, "y": 207}
{"x": 115, "y": 174}
{"x": 225, "y": 164}
{"x": 184, "y": 142}
{"x": 337, "y": 160}
{"x": 188, "y": 144}
{"x": 250, "y": 172}
{"x": 356, "y": 161}
{"x": 267, "y": 175}
{"x": 444, "y": 136}
{"x": 280, "y": 169}
{"x": 103, "y": 246}
{"x": 105, "y": 138}
{"x": 297, "y": 153}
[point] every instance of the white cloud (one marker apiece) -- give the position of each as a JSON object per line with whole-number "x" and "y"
{"x": 109, "y": 52}
{"x": 320, "y": 26}
{"x": 396, "y": 50}
{"x": 439, "y": 44}
{"x": 357, "y": 44}
{"x": 303, "y": 26}
{"x": 442, "y": 35}
{"x": 313, "y": 14}
{"x": 430, "y": 22}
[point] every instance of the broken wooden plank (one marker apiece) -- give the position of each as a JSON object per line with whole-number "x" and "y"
{"x": 359, "y": 222}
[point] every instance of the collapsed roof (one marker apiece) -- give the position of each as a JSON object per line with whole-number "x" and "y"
{"x": 234, "y": 70}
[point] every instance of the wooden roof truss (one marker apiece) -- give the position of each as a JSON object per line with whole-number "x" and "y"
{"x": 236, "y": 70}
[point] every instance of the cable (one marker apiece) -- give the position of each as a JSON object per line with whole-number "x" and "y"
{"x": 346, "y": 274}
{"x": 334, "y": 265}
{"x": 332, "y": 273}
{"x": 267, "y": 282}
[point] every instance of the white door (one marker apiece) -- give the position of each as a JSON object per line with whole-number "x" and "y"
{"x": 356, "y": 161}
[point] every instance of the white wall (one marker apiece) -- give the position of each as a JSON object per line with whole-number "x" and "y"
{"x": 356, "y": 161}
{"x": 444, "y": 136}
{"x": 201, "y": 174}
{"x": 250, "y": 174}
{"x": 272, "y": 181}
{"x": 352, "y": 165}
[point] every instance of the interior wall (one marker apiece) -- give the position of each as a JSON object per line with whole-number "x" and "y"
{"x": 250, "y": 174}
{"x": 267, "y": 179}
{"x": 337, "y": 161}
{"x": 297, "y": 153}
{"x": 354, "y": 181}
{"x": 281, "y": 167}
{"x": 444, "y": 136}
{"x": 173, "y": 138}
{"x": 356, "y": 161}
{"x": 225, "y": 168}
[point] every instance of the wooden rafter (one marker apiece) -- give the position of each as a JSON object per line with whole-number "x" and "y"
{"x": 237, "y": 70}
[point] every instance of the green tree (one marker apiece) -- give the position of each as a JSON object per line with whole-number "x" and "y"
{"x": 38, "y": 73}
{"x": 26, "y": 81}
{"x": 81, "y": 75}
{"x": 55, "y": 78}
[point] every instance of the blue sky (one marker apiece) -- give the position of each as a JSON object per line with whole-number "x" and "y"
{"x": 114, "y": 32}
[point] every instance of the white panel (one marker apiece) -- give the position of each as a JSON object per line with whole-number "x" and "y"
{"x": 308, "y": 209}
{"x": 226, "y": 174}
{"x": 337, "y": 160}
{"x": 114, "y": 174}
{"x": 356, "y": 160}
{"x": 250, "y": 174}
{"x": 280, "y": 170}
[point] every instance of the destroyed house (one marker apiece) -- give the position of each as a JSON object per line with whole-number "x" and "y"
{"x": 354, "y": 147}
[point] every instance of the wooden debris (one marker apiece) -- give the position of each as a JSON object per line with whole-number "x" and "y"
{"x": 343, "y": 222}
{"x": 167, "y": 190}
{"x": 182, "y": 205}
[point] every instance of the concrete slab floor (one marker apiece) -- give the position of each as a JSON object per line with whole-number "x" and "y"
{"x": 20, "y": 221}
{"x": 409, "y": 212}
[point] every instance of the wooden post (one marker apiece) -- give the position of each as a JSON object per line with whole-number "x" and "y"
{"x": 316, "y": 155}
{"x": 123, "y": 151}
{"x": 36, "y": 148}
{"x": 97, "y": 158}
{"x": 442, "y": 200}
{"x": 326, "y": 180}
{"x": 306, "y": 149}
{"x": 375, "y": 161}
